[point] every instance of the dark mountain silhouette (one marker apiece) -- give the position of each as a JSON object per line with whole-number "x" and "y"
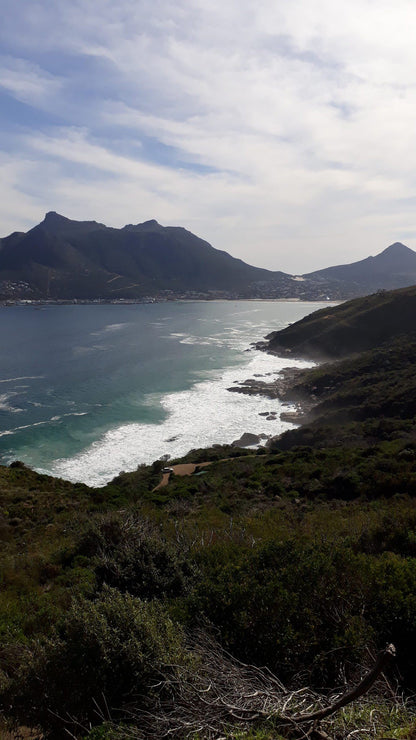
{"x": 61, "y": 258}
{"x": 64, "y": 259}
{"x": 395, "y": 267}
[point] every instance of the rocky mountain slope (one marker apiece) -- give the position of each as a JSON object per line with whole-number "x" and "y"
{"x": 61, "y": 258}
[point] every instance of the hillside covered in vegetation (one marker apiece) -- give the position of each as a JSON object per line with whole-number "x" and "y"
{"x": 234, "y": 602}
{"x": 355, "y": 326}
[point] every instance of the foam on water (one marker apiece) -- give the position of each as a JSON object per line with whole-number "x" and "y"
{"x": 9, "y": 432}
{"x": 109, "y": 329}
{"x": 21, "y": 377}
{"x": 5, "y": 404}
{"x": 204, "y": 415}
{"x": 146, "y": 381}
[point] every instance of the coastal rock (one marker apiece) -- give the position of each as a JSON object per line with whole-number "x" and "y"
{"x": 295, "y": 417}
{"x": 248, "y": 439}
{"x": 285, "y": 379}
{"x": 255, "y": 388}
{"x": 283, "y": 388}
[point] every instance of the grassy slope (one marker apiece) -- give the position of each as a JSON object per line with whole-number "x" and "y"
{"x": 352, "y": 327}
{"x": 359, "y": 400}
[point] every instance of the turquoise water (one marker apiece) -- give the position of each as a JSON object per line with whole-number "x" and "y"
{"x": 88, "y": 390}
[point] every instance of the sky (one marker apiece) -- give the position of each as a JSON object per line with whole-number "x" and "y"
{"x": 281, "y": 131}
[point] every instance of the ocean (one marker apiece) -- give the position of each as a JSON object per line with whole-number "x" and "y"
{"x": 89, "y": 390}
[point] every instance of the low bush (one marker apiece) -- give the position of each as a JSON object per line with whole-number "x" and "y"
{"x": 129, "y": 554}
{"x": 103, "y": 654}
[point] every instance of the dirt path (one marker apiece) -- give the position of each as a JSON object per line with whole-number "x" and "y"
{"x": 189, "y": 469}
{"x": 181, "y": 469}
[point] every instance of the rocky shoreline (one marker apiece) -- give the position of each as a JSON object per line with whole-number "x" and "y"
{"x": 283, "y": 388}
{"x": 277, "y": 388}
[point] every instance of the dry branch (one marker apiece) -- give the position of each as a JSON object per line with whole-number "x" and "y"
{"x": 383, "y": 658}
{"x": 218, "y": 692}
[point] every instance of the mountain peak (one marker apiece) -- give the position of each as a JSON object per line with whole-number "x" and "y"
{"x": 151, "y": 225}
{"x": 52, "y": 217}
{"x": 397, "y": 257}
{"x": 55, "y": 223}
{"x": 394, "y": 267}
{"x": 397, "y": 248}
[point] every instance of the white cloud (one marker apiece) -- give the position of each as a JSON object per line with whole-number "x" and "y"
{"x": 26, "y": 81}
{"x": 18, "y": 210}
{"x": 302, "y": 115}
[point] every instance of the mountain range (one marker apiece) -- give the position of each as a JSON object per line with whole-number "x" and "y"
{"x": 63, "y": 259}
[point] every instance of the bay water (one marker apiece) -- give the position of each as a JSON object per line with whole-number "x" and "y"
{"x": 89, "y": 390}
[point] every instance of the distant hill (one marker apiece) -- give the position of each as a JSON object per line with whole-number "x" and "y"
{"x": 61, "y": 258}
{"x": 355, "y": 326}
{"x": 395, "y": 267}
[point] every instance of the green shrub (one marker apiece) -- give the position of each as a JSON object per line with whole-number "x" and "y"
{"x": 103, "y": 653}
{"x": 130, "y": 555}
{"x": 289, "y": 605}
